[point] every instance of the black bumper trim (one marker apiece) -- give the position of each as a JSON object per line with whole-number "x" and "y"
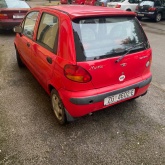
{"x": 100, "y": 97}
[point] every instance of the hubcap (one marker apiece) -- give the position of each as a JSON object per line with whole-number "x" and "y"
{"x": 57, "y": 107}
{"x": 158, "y": 17}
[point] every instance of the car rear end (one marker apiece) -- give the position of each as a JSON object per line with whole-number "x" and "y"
{"x": 114, "y": 3}
{"x": 12, "y": 13}
{"x": 113, "y": 63}
{"x": 146, "y": 9}
{"x": 113, "y": 59}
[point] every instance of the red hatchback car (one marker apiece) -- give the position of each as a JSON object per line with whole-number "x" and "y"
{"x": 86, "y": 58}
{"x": 12, "y": 13}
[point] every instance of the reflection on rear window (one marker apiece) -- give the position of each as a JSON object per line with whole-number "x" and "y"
{"x": 97, "y": 38}
{"x": 13, "y": 4}
{"x": 147, "y": 3}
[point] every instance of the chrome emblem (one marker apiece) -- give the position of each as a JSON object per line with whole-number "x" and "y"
{"x": 121, "y": 78}
{"x": 96, "y": 67}
{"x": 123, "y": 64}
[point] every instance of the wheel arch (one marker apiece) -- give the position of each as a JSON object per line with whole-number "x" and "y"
{"x": 50, "y": 88}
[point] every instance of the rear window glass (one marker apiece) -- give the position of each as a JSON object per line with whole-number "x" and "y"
{"x": 97, "y": 38}
{"x": 147, "y": 3}
{"x": 13, "y": 4}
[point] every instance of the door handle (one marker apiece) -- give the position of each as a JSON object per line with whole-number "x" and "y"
{"x": 49, "y": 59}
{"x": 28, "y": 44}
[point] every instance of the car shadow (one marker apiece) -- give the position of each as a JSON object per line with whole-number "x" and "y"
{"x": 7, "y": 32}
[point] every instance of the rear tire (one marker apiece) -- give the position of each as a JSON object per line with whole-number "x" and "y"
{"x": 19, "y": 61}
{"x": 58, "y": 107}
{"x": 139, "y": 18}
{"x": 158, "y": 17}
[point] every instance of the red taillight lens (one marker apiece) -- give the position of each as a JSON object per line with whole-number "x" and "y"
{"x": 76, "y": 73}
{"x": 3, "y": 16}
{"x": 118, "y": 6}
{"x": 137, "y": 7}
{"x": 152, "y": 9}
{"x": 102, "y": 4}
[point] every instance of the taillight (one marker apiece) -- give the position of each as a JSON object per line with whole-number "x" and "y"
{"x": 76, "y": 73}
{"x": 102, "y": 4}
{"x": 117, "y": 6}
{"x": 3, "y": 16}
{"x": 137, "y": 7}
{"x": 152, "y": 9}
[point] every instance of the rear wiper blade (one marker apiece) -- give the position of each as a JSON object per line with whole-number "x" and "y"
{"x": 128, "y": 50}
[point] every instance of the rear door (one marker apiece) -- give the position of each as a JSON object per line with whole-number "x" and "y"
{"x": 44, "y": 50}
{"x": 104, "y": 42}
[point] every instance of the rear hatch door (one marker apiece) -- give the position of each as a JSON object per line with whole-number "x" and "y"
{"x": 145, "y": 5}
{"x": 103, "y": 42}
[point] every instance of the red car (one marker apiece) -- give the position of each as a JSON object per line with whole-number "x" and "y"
{"x": 65, "y": 1}
{"x": 90, "y": 2}
{"x": 12, "y": 13}
{"x": 86, "y": 58}
{"x": 79, "y": 2}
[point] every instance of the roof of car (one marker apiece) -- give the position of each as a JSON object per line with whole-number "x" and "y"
{"x": 86, "y": 10}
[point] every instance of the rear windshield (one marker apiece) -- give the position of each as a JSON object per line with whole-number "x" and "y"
{"x": 13, "y": 4}
{"x": 97, "y": 38}
{"x": 147, "y": 3}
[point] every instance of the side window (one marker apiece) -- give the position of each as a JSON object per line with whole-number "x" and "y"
{"x": 157, "y": 3}
{"x": 131, "y": 1}
{"x": 48, "y": 32}
{"x": 134, "y": 1}
{"x": 29, "y": 23}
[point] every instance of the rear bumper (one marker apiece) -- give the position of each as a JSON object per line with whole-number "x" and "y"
{"x": 81, "y": 103}
{"x": 151, "y": 15}
{"x": 100, "y": 97}
{"x": 9, "y": 24}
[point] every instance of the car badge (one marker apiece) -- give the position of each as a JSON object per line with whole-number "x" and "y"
{"x": 96, "y": 67}
{"x": 123, "y": 64}
{"x": 121, "y": 78}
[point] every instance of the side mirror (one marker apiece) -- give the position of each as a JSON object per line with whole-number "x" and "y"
{"x": 17, "y": 29}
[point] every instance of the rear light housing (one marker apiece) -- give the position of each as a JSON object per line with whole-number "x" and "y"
{"x": 137, "y": 7}
{"x": 118, "y": 6}
{"x": 3, "y": 16}
{"x": 76, "y": 73}
{"x": 102, "y": 4}
{"x": 152, "y": 9}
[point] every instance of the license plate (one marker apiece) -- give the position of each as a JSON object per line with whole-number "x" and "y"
{"x": 18, "y": 16}
{"x": 118, "y": 97}
{"x": 141, "y": 15}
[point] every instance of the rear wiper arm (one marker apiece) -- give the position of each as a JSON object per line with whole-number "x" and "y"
{"x": 128, "y": 50}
